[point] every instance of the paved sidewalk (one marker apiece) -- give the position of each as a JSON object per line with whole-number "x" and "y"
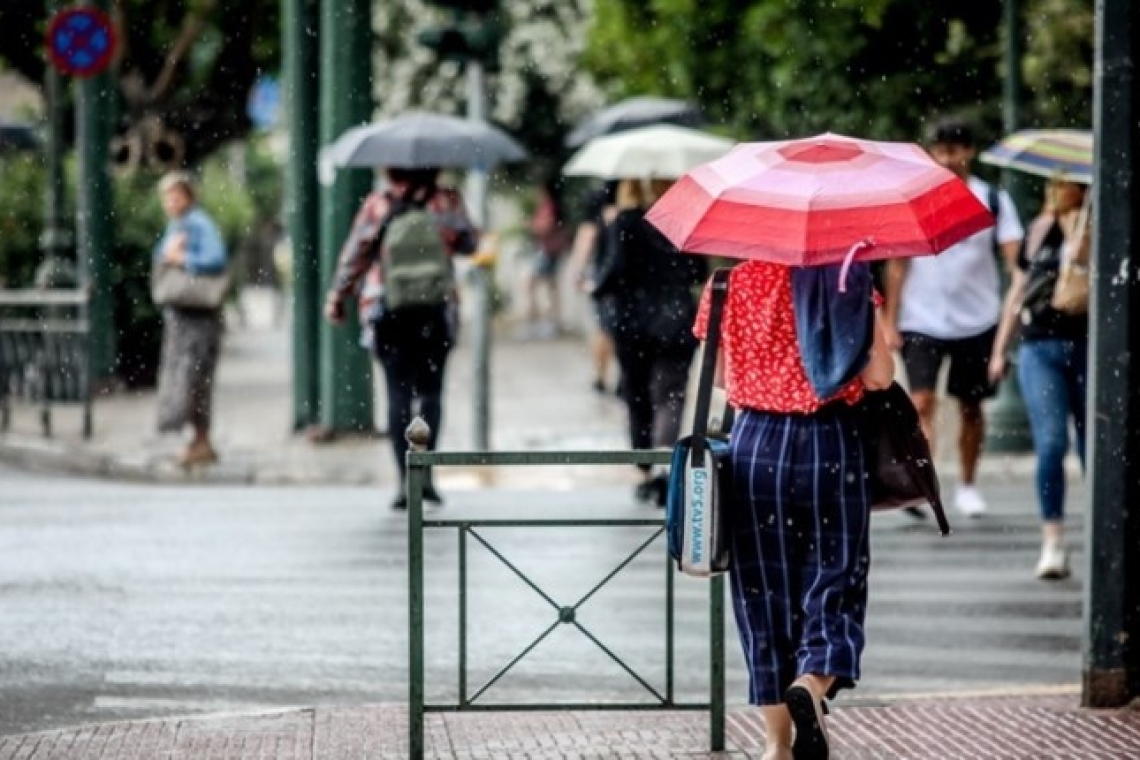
{"x": 994, "y": 728}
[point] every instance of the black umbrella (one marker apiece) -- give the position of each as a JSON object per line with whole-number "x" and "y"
{"x": 418, "y": 140}
{"x": 634, "y": 112}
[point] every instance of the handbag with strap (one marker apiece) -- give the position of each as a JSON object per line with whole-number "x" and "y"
{"x": 700, "y": 480}
{"x": 172, "y": 285}
{"x": 1071, "y": 291}
{"x": 899, "y": 464}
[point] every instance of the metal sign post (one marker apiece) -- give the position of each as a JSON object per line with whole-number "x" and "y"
{"x": 482, "y": 275}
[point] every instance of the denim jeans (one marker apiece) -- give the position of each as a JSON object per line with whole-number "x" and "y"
{"x": 1052, "y": 374}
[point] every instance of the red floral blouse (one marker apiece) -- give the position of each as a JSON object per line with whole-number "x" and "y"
{"x": 762, "y": 365}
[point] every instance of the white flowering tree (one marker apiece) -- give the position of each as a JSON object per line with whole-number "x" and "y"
{"x": 538, "y": 92}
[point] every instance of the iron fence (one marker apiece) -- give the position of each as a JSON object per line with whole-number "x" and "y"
{"x": 45, "y": 353}
{"x": 470, "y": 530}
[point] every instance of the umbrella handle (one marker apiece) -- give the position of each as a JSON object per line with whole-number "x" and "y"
{"x": 850, "y": 258}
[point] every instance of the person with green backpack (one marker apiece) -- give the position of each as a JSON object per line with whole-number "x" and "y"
{"x": 397, "y": 262}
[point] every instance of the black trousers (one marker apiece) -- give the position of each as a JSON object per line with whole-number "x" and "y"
{"x": 654, "y": 384}
{"x": 412, "y": 346}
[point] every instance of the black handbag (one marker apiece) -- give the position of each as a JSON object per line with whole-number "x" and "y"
{"x": 899, "y": 463}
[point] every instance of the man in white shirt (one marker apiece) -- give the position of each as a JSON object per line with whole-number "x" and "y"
{"x": 947, "y": 307}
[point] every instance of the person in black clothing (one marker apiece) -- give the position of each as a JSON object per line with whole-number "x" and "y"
{"x": 644, "y": 290}
{"x": 587, "y": 250}
{"x": 1052, "y": 356}
{"x": 411, "y": 344}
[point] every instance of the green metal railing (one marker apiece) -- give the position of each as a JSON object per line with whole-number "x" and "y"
{"x": 45, "y": 352}
{"x": 468, "y": 530}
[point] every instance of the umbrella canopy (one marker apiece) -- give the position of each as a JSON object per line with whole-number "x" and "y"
{"x": 661, "y": 150}
{"x": 632, "y": 113}
{"x": 1055, "y": 153}
{"x": 820, "y": 200}
{"x": 419, "y": 140}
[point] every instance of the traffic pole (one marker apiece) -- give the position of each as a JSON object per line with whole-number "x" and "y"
{"x": 94, "y": 117}
{"x": 345, "y": 382}
{"x": 1111, "y": 669}
{"x": 1007, "y": 421}
{"x": 56, "y": 240}
{"x": 482, "y": 274}
{"x": 299, "y": 55}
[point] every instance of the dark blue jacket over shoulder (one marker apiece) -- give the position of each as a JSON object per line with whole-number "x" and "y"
{"x": 834, "y": 329}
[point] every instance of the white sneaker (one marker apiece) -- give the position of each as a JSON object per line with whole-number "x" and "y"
{"x": 968, "y": 500}
{"x": 1054, "y": 562}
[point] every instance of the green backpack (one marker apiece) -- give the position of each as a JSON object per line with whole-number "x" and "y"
{"x": 417, "y": 267}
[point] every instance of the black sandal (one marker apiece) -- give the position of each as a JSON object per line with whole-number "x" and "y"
{"x": 807, "y": 714}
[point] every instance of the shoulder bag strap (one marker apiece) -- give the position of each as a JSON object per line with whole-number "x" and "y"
{"x": 708, "y": 364}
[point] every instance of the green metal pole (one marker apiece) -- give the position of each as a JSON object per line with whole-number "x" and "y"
{"x": 1111, "y": 676}
{"x": 418, "y": 435}
{"x": 95, "y": 210}
{"x": 345, "y": 379}
{"x": 299, "y": 54}
{"x": 56, "y": 238}
{"x": 1007, "y": 423}
{"x": 716, "y": 664}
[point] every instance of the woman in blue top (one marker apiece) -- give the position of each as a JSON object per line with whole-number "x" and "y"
{"x": 191, "y": 338}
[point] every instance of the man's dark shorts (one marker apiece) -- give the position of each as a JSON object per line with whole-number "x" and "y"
{"x": 969, "y": 364}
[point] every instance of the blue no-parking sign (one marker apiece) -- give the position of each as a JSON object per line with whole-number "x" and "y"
{"x": 81, "y": 41}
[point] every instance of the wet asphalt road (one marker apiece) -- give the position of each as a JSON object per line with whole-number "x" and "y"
{"x": 124, "y": 601}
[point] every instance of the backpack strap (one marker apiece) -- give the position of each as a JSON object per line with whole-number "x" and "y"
{"x": 396, "y": 206}
{"x": 993, "y": 202}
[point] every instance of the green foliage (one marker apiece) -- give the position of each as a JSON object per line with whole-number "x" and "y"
{"x": 137, "y": 223}
{"x": 21, "y": 214}
{"x": 264, "y": 181}
{"x": 226, "y": 200}
{"x": 189, "y": 64}
{"x": 1058, "y": 66}
{"x": 767, "y": 69}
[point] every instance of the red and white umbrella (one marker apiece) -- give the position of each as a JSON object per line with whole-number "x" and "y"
{"x": 826, "y": 199}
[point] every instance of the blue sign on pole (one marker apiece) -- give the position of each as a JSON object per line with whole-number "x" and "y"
{"x": 264, "y": 104}
{"x": 81, "y": 41}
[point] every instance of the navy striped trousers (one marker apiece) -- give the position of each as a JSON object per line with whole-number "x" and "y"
{"x": 800, "y": 548}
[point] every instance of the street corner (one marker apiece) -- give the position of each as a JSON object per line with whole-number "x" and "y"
{"x": 47, "y": 455}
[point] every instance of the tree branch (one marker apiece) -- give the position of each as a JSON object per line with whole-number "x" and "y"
{"x": 192, "y": 26}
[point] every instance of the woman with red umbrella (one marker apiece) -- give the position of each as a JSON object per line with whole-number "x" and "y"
{"x": 802, "y": 213}
{"x": 801, "y": 551}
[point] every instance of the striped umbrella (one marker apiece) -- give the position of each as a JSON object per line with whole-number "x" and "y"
{"x": 820, "y": 200}
{"x": 1055, "y": 153}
